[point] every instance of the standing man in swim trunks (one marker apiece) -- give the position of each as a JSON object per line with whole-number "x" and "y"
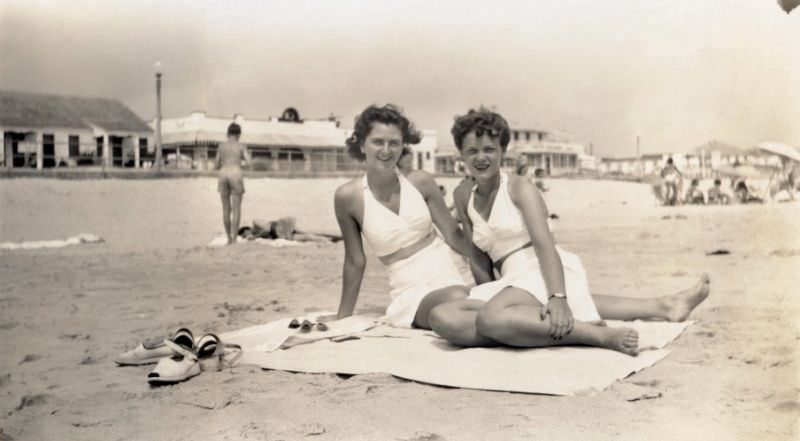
{"x": 231, "y": 182}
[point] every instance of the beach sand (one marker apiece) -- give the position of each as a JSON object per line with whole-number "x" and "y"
{"x": 66, "y": 313}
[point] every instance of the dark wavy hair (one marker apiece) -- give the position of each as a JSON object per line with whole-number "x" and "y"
{"x": 234, "y": 129}
{"x": 482, "y": 121}
{"x": 388, "y": 114}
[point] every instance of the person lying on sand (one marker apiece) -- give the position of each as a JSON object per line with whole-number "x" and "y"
{"x": 283, "y": 228}
{"x": 541, "y": 286}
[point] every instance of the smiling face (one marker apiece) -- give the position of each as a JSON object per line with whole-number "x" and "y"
{"x": 382, "y": 146}
{"x": 482, "y": 155}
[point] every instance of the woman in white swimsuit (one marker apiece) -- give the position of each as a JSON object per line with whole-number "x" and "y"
{"x": 396, "y": 215}
{"x": 542, "y": 297}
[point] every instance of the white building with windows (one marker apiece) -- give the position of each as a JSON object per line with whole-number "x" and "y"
{"x": 287, "y": 143}
{"x": 42, "y": 131}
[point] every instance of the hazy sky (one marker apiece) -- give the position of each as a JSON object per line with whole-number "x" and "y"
{"x": 678, "y": 73}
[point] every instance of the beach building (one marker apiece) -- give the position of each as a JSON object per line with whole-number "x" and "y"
{"x": 45, "y": 131}
{"x": 287, "y": 143}
{"x": 552, "y": 152}
{"x": 701, "y": 161}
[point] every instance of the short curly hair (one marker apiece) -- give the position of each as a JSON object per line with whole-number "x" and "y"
{"x": 388, "y": 114}
{"x": 481, "y": 120}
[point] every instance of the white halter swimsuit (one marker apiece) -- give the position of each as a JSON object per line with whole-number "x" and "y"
{"x": 503, "y": 233}
{"x": 427, "y": 270}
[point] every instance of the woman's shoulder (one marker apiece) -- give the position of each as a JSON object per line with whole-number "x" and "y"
{"x": 521, "y": 188}
{"x": 349, "y": 191}
{"x": 422, "y": 181}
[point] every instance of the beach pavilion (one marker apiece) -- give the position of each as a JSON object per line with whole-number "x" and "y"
{"x": 282, "y": 144}
{"x": 44, "y": 131}
{"x": 551, "y": 152}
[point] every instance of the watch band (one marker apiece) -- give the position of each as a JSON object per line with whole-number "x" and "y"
{"x": 558, "y": 295}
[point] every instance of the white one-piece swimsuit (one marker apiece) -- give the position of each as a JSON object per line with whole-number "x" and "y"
{"x": 505, "y": 232}
{"x": 414, "y": 277}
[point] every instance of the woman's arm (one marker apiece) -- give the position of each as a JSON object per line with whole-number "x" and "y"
{"x": 453, "y": 235}
{"x": 479, "y": 262}
{"x": 534, "y": 213}
{"x": 354, "y": 261}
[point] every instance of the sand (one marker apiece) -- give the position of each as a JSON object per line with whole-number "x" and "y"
{"x": 65, "y": 314}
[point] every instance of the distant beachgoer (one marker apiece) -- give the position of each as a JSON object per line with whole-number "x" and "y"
{"x": 694, "y": 195}
{"x": 743, "y": 194}
{"x": 672, "y": 177}
{"x": 784, "y": 180}
{"x": 532, "y": 303}
{"x": 396, "y": 215}
{"x": 406, "y": 162}
{"x": 538, "y": 174}
{"x": 230, "y": 182}
{"x": 716, "y": 195}
{"x": 283, "y": 228}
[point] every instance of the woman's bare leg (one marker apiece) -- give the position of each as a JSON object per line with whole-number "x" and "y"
{"x": 226, "y": 214}
{"x": 435, "y": 298}
{"x": 512, "y": 318}
{"x": 455, "y": 322}
{"x": 236, "y": 212}
{"x": 673, "y": 308}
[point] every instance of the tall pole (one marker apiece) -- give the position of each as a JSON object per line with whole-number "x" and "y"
{"x": 159, "y": 159}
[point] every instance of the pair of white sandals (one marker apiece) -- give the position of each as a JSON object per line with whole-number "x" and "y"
{"x": 181, "y": 357}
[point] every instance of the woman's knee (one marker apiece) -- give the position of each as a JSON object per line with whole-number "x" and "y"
{"x": 491, "y": 322}
{"x": 440, "y": 318}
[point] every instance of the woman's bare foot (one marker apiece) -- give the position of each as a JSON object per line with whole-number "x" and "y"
{"x": 677, "y": 307}
{"x": 624, "y": 340}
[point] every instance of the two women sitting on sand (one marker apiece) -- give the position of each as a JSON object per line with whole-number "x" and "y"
{"x": 541, "y": 290}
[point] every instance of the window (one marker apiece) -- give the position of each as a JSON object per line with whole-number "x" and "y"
{"x": 527, "y": 136}
{"x": 516, "y": 135}
{"x": 74, "y": 146}
{"x": 48, "y": 150}
{"x": 142, "y": 147}
{"x": 427, "y": 155}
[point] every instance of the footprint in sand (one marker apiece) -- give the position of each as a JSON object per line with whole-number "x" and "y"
{"x": 29, "y": 358}
{"x": 788, "y": 406}
{"x": 32, "y": 400}
{"x": 785, "y": 253}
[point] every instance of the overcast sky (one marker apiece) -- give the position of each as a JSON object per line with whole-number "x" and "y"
{"x": 678, "y": 73}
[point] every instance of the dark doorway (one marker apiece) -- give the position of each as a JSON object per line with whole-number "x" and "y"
{"x": 116, "y": 150}
{"x": 48, "y": 151}
{"x": 547, "y": 165}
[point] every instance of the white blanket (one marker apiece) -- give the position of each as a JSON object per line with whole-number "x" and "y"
{"x": 221, "y": 241}
{"x": 81, "y": 238}
{"x": 422, "y": 356}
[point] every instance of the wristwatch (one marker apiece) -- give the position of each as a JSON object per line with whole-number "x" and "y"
{"x": 558, "y": 295}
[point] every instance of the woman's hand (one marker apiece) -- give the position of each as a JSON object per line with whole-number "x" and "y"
{"x": 561, "y": 320}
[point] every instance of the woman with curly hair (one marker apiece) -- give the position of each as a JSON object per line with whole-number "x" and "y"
{"x": 396, "y": 215}
{"x": 542, "y": 296}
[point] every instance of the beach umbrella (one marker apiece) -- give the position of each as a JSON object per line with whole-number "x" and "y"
{"x": 779, "y": 149}
{"x": 788, "y": 5}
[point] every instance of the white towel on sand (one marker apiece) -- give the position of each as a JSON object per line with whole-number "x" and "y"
{"x": 81, "y": 238}
{"x": 221, "y": 241}
{"x": 422, "y": 356}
